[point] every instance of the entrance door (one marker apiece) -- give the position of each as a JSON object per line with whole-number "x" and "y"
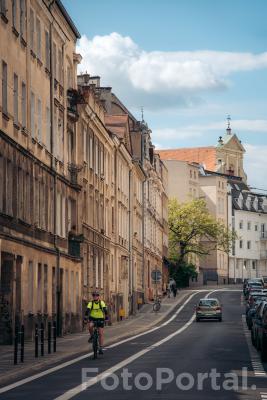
{"x": 6, "y": 297}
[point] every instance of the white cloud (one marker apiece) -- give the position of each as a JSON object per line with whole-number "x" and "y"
{"x": 255, "y": 165}
{"x": 174, "y": 135}
{"x": 176, "y": 78}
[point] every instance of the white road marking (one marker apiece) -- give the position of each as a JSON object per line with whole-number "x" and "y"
{"x": 77, "y": 359}
{"x": 78, "y": 389}
{"x": 92, "y": 381}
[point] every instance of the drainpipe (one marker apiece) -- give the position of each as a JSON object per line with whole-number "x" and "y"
{"x": 130, "y": 235}
{"x": 58, "y": 293}
{"x": 143, "y": 210}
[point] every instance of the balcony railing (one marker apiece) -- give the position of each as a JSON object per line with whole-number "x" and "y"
{"x": 264, "y": 235}
{"x": 74, "y": 169}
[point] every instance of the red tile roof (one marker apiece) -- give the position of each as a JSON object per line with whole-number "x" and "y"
{"x": 203, "y": 155}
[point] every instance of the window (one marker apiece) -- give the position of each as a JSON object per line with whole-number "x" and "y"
{"x": 60, "y": 66}
{"x": 23, "y": 104}
{"x": 32, "y": 29}
{"x": 241, "y": 225}
{"x": 249, "y": 244}
{"x": 190, "y": 173}
{"x": 39, "y": 126}
{"x": 249, "y": 226}
{"x": 32, "y": 114}
{"x": 256, "y": 228}
{"x": 39, "y": 38}
{"x": 222, "y": 185}
{"x": 47, "y": 51}
{"x": 22, "y": 17}
{"x": 4, "y": 87}
{"x": 14, "y": 13}
{"x": 54, "y": 53}
{"x": 15, "y": 99}
{"x": 48, "y": 127}
{"x": 241, "y": 244}
{"x": 3, "y": 9}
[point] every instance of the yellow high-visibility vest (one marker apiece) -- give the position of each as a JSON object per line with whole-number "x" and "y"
{"x": 96, "y": 309}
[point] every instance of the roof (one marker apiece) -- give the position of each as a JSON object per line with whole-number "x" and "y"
{"x": 68, "y": 19}
{"x": 201, "y": 155}
{"x": 119, "y": 125}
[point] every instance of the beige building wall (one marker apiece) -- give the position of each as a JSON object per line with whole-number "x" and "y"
{"x": 213, "y": 189}
{"x": 38, "y": 197}
{"x": 183, "y": 180}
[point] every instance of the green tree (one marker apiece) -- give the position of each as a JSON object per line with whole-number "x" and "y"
{"x": 193, "y": 230}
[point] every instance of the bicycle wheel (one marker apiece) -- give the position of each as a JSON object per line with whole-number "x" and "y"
{"x": 156, "y": 306}
{"x": 95, "y": 343}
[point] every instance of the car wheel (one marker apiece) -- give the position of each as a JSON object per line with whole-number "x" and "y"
{"x": 220, "y": 319}
{"x": 197, "y": 319}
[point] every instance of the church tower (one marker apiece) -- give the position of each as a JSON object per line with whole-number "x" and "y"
{"x": 230, "y": 153}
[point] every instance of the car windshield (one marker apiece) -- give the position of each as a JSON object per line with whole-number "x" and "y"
{"x": 255, "y": 284}
{"x": 208, "y": 303}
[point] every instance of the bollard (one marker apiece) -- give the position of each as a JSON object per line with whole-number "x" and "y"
{"x": 22, "y": 343}
{"x": 16, "y": 340}
{"x": 36, "y": 340}
{"x": 49, "y": 338}
{"x": 54, "y": 336}
{"x": 42, "y": 339}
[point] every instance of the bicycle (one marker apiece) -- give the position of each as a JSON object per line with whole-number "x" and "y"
{"x": 157, "y": 304}
{"x": 95, "y": 339}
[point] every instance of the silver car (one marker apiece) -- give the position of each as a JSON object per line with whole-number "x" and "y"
{"x": 208, "y": 308}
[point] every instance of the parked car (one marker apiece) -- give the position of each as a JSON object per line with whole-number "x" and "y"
{"x": 264, "y": 281}
{"x": 253, "y": 287}
{"x": 208, "y": 308}
{"x": 261, "y": 337}
{"x": 250, "y": 313}
{"x": 253, "y": 296}
{"x": 256, "y": 323}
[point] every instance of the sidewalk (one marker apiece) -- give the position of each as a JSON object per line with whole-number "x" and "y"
{"x": 74, "y": 345}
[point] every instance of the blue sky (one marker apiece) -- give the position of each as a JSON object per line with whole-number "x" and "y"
{"x": 188, "y": 62}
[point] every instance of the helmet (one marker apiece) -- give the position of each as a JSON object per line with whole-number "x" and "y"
{"x": 96, "y": 293}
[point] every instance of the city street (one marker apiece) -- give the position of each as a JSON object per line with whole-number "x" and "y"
{"x": 178, "y": 345}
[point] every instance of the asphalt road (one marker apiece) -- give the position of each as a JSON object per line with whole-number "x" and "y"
{"x": 180, "y": 360}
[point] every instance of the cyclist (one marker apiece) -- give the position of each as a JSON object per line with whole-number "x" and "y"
{"x": 97, "y": 312}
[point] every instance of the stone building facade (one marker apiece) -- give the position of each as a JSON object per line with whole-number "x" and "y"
{"x": 40, "y": 263}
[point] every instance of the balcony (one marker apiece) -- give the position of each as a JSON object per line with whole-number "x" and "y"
{"x": 263, "y": 236}
{"x": 74, "y": 242}
{"x": 74, "y": 169}
{"x": 74, "y": 98}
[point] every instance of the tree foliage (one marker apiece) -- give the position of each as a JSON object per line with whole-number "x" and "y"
{"x": 193, "y": 230}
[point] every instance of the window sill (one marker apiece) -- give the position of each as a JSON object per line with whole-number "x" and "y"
{"x": 24, "y": 131}
{"x": 5, "y": 116}
{"x": 33, "y": 54}
{"x": 39, "y": 144}
{"x": 4, "y": 18}
{"x": 14, "y": 30}
{"x": 23, "y": 41}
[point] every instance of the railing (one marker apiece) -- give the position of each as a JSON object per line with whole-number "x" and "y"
{"x": 263, "y": 235}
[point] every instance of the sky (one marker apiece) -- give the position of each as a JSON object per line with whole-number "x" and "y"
{"x": 188, "y": 63}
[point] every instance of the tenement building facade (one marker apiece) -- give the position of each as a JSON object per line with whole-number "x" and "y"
{"x": 39, "y": 189}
